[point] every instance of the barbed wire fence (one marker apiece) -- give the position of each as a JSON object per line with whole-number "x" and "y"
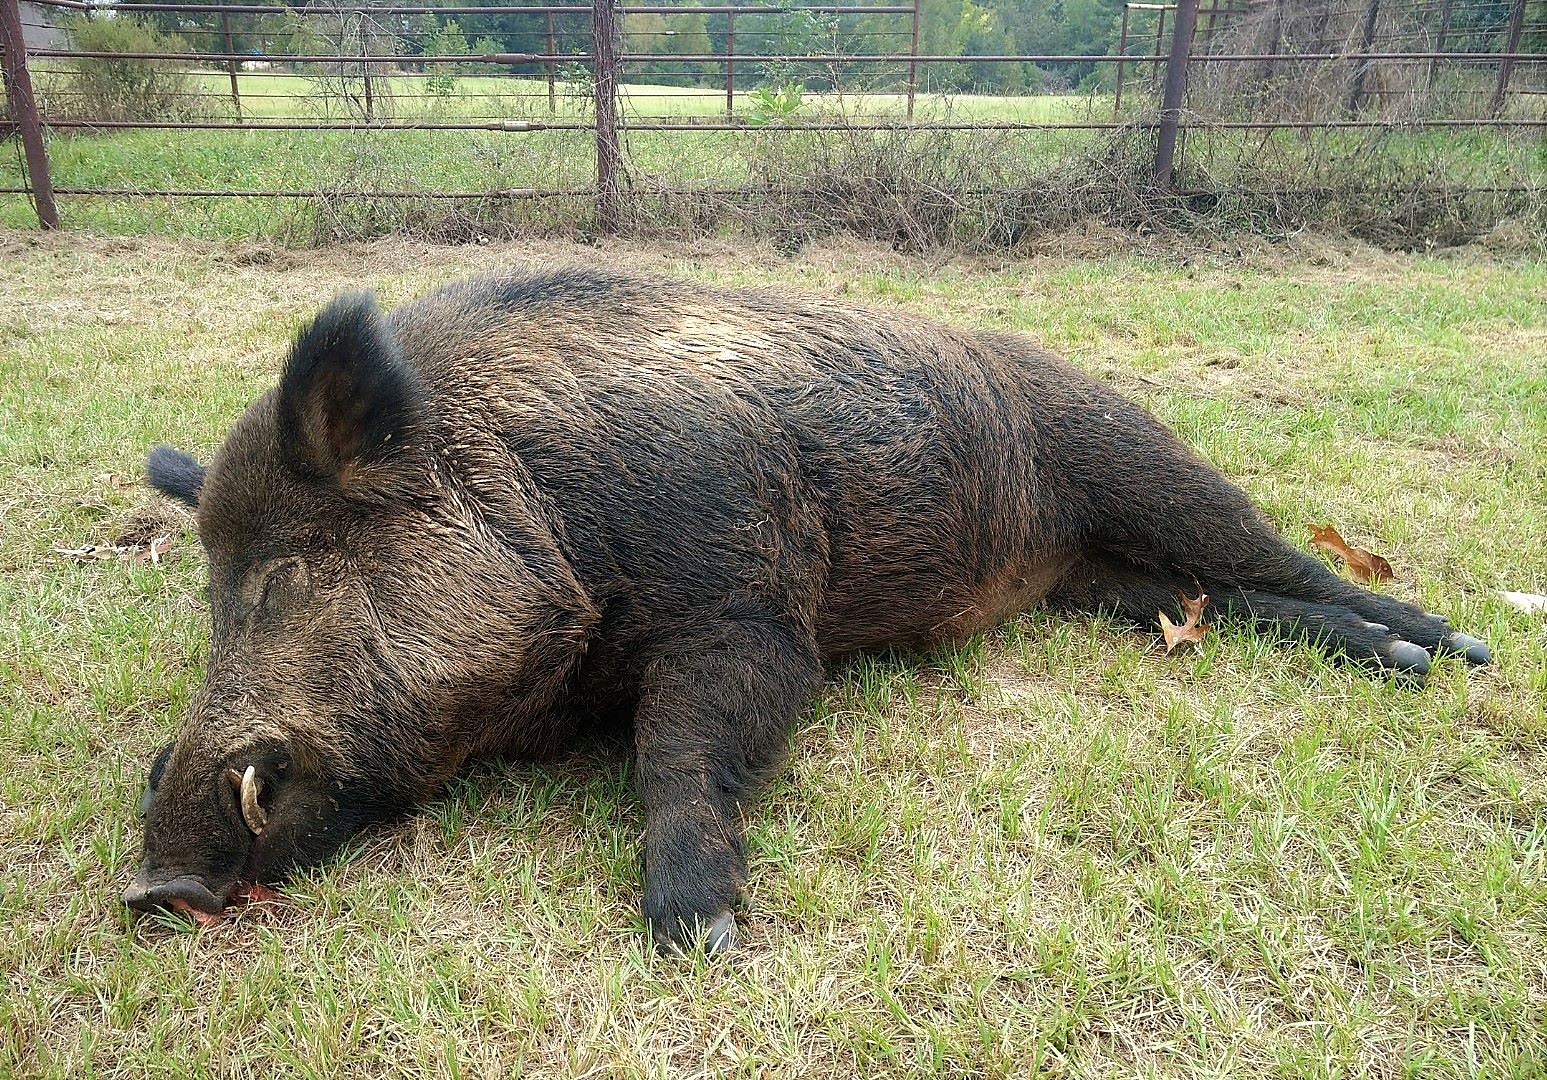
{"x": 1417, "y": 117}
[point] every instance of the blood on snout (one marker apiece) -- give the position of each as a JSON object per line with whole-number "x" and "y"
{"x": 244, "y": 894}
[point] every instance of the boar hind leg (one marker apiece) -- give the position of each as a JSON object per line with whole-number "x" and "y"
{"x": 714, "y": 717}
{"x": 1141, "y": 594}
{"x": 1169, "y": 520}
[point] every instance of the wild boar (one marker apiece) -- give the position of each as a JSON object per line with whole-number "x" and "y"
{"x": 521, "y": 507}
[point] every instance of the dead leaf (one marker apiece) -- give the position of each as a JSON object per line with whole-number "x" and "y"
{"x": 97, "y": 552}
{"x": 1530, "y": 603}
{"x": 152, "y": 551}
{"x": 1366, "y": 567}
{"x": 1191, "y": 628}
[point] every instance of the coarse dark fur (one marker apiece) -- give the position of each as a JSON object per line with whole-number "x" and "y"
{"x": 520, "y": 506}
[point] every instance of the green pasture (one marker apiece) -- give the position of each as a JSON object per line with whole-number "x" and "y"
{"x": 1055, "y": 852}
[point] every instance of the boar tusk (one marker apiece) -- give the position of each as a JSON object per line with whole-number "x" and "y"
{"x": 252, "y": 813}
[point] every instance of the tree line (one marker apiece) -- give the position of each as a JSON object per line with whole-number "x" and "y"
{"x": 964, "y": 28}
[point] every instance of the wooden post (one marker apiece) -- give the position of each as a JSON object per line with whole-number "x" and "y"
{"x": 225, "y": 31}
{"x": 1174, "y": 93}
{"x": 913, "y": 58}
{"x": 730, "y": 64}
{"x": 1507, "y": 64}
{"x": 1439, "y": 40}
{"x": 553, "y": 92}
{"x": 1122, "y": 51}
{"x": 1160, "y": 33}
{"x": 24, "y": 111}
{"x": 604, "y": 59}
{"x": 1367, "y": 35}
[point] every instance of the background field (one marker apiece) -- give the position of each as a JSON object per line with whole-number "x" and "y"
{"x": 984, "y": 189}
{"x": 460, "y": 160}
{"x": 1055, "y": 850}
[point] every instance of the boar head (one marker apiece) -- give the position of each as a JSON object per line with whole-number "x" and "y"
{"x": 369, "y": 628}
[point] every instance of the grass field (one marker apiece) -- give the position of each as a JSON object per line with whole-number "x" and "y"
{"x": 968, "y": 177}
{"x": 268, "y": 95}
{"x": 421, "y": 160}
{"x": 1056, "y": 851}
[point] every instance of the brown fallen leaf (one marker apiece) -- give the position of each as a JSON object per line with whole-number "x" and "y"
{"x": 1367, "y": 567}
{"x": 152, "y": 551}
{"x": 96, "y": 552}
{"x": 1191, "y": 628}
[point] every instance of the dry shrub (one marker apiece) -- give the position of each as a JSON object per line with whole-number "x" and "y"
{"x": 1320, "y": 90}
{"x": 997, "y": 190}
{"x": 341, "y": 88}
{"x": 373, "y": 188}
{"x": 971, "y": 190}
{"x": 914, "y": 188}
{"x": 1400, "y": 189}
{"x": 121, "y": 89}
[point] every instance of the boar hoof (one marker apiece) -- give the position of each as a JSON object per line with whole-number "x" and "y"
{"x": 1406, "y": 659}
{"x": 714, "y": 936}
{"x": 1475, "y": 650}
{"x": 721, "y": 936}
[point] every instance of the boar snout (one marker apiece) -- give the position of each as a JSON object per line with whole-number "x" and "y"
{"x": 184, "y": 891}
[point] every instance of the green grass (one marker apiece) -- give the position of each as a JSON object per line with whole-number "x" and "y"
{"x": 421, "y": 160}
{"x": 952, "y": 186}
{"x": 267, "y": 95}
{"x": 1055, "y": 851}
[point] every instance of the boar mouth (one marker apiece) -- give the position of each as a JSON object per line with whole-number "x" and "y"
{"x": 185, "y": 893}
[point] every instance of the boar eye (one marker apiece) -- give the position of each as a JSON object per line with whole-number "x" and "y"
{"x": 282, "y": 585}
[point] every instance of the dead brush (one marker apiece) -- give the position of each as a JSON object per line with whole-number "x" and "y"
{"x": 916, "y": 188}
{"x": 374, "y": 189}
{"x": 925, "y": 189}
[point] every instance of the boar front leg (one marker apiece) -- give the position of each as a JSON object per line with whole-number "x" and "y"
{"x": 713, "y": 720}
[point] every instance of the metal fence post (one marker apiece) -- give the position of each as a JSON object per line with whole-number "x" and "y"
{"x": 225, "y": 31}
{"x": 24, "y": 110}
{"x": 1366, "y": 36}
{"x": 365, "y": 70}
{"x": 1439, "y": 41}
{"x": 913, "y": 58}
{"x": 1160, "y": 33}
{"x": 1506, "y": 65}
{"x": 1182, "y": 27}
{"x": 553, "y": 91}
{"x": 1122, "y": 51}
{"x": 604, "y": 59}
{"x": 730, "y": 63}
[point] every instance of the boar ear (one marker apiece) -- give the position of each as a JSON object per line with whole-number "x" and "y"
{"x": 174, "y": 473}
{"x": 157, "y": 767}
{"x": 347, "y": 398}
